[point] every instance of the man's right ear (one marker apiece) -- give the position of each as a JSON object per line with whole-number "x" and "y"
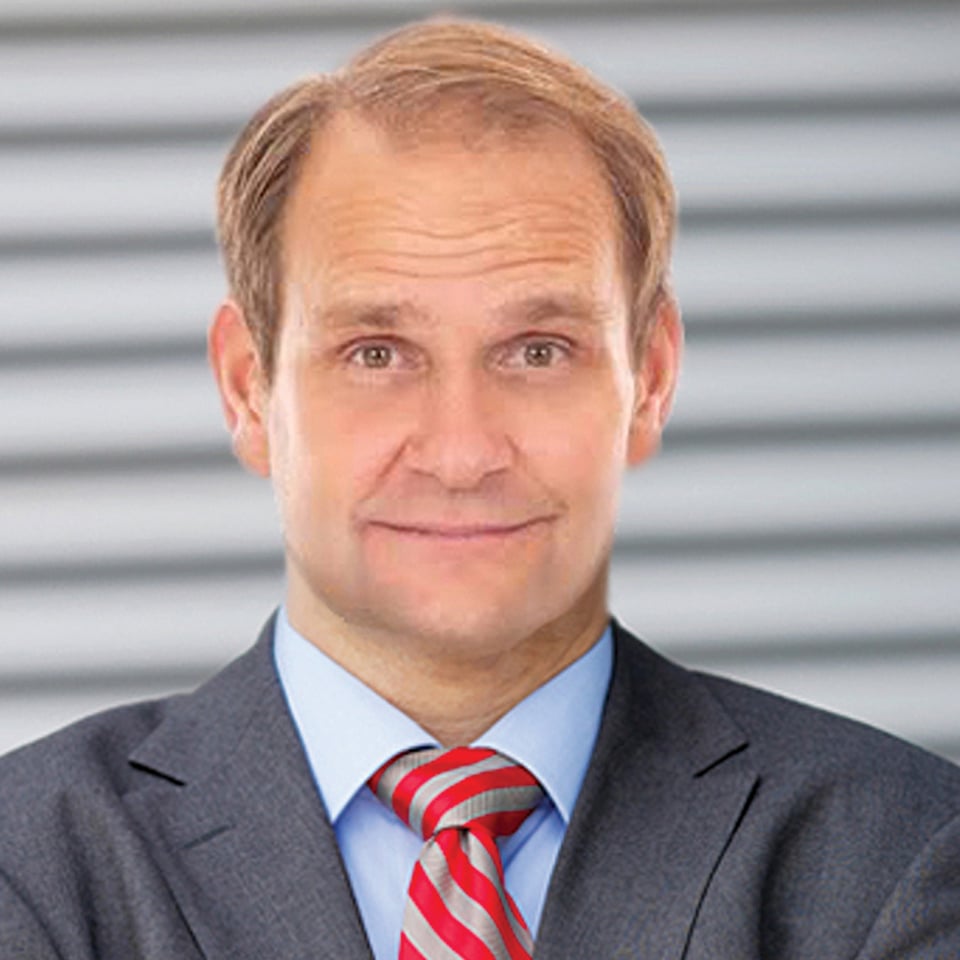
{"x": 235, "y": 361}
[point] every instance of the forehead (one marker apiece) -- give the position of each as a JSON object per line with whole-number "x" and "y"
{"x": 369, "y": 203}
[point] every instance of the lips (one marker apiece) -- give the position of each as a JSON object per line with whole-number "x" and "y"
{"x": 458, "y": 531}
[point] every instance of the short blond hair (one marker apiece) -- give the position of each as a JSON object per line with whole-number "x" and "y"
{"x": 402, "y": 83}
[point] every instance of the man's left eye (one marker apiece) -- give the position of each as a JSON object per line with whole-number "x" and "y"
{"x": 540, "y": 353}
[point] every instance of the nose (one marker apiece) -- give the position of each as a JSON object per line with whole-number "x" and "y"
{"x": 461, "y": 437}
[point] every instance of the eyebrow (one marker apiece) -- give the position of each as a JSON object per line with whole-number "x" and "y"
{"x": 540, "y": 307}
{"x": 376, "y": 316}
{"x": 536, "y": 308}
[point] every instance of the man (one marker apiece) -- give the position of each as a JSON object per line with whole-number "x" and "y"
{"x": 450, "y": 328}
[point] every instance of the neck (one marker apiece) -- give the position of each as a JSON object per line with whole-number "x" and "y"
{"x": 455, "y": 696}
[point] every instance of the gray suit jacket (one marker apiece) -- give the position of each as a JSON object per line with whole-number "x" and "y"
{"x": 715, "y": 823}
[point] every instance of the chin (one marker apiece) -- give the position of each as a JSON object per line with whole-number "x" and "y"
{"x": 465, "y": 629}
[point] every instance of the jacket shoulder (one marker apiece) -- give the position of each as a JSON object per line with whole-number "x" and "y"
{"x": 90, "y": 756}
{"x": 101, "y": 751}
{"x": 845, "y": 825}
{"x": 807, "y": 741}
{"x": 784, "y": 739}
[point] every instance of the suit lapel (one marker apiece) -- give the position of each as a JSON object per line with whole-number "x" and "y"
{"x": 238, "y": 827}
{"x": 667, "y": 786}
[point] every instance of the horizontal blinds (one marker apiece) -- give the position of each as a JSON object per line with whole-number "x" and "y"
{"x": 801, "y": 528}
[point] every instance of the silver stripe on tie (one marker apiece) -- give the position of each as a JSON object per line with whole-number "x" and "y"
{"x": 480, "y": 858}
{"x": 423, "y": 936}
{"x": 497, "y": 800}
{"x": 400, "y": 767}
{"x": 443, "y": 781}
{"x": 458, "y": 903}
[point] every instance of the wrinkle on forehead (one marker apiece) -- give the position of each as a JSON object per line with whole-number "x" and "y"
{"x": 363, "y": 206}
{"x": 406, "y": 249}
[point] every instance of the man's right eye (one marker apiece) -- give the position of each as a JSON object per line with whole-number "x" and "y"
{"x": 373, "y": 356}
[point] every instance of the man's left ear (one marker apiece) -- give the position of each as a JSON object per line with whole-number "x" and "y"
{"x": 655, "y": 377}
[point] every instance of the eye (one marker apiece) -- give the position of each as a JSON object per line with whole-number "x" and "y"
{"x": 539, "y": 352}
{"x": 373, "y": 356}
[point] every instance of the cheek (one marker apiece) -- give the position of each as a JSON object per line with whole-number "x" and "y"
{"x": 578, "y": 443}
{"x": 594, "y": 414}
{"x": 331, "y": 452}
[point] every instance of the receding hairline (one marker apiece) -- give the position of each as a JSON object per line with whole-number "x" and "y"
{"x": 412, "y": 83}
{"x": 468, "y": 129}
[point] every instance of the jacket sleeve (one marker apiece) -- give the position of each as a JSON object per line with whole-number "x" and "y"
{"x": 921, "y": 918}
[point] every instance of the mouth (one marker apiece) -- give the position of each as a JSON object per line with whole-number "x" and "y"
{"x": 460, "y": 533}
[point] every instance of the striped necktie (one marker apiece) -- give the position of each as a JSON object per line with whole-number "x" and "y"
{"x": 459, "y": 800}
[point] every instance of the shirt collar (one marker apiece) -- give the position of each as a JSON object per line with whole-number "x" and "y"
{"x": 348, "y": 731}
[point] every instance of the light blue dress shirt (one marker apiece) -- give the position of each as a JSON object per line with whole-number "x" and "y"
{"x": 348, "y": 732}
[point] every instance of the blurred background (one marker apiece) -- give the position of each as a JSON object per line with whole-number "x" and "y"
{"x": 801, "y": 529}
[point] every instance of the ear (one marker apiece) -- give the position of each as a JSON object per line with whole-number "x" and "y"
{"x": 655, "y": 378}
{"x": 243, "y": 387}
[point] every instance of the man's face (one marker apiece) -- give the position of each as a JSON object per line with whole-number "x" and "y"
{"x": 454, "y": 397}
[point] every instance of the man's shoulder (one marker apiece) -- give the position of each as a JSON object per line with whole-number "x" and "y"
{"x": 72, "y": 784}
{"x": 803, "y": 753}
{"x": 799, "y": 740}
{"x": 94, "y": 748}
{"x": 826, "y": 782}
{"x": 828, "y": 818}
{"x": 64, "y": 823}
{"x": 94, "y": 763}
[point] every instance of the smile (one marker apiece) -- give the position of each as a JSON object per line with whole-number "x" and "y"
{"x": 460, "y": 532}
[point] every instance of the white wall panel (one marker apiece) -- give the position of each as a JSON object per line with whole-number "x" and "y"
{"x": 800, "y": 529}
{"x": 180, "y": 78}
{"x": 720, "y": 164}
{"x": 161, "y": 515}
{"x": 159, "y": 79}
{"x": 835, "y": 268}
{"x": 59, "y": 11}
{"x": 722, "y": 602}
{"x": 169, "y": 625}
{"x": 778, "y": 51}
{"x": 131, "y": 408}
{"x": 783, "y": 491}
{"x": 85, "y": 190}
{"x": 798, "y": 379}
{"x": 797, "y": 160}
{"x": 95, "y": 300}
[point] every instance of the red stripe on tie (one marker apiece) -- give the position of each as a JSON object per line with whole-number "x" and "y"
{"x": 471, "y": 786}
{"x": 517, "y": 950}
{"x": 482, "y": 901}
{"x": 445, "y": 925}
{"x": 500, "y": 824}
{"x": 454, "y": 759}
{"x": 408, "y": 951}
{"x": 478, "y": 886}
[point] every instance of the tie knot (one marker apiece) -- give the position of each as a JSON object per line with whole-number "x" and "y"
{"x": 432, "y": 790}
